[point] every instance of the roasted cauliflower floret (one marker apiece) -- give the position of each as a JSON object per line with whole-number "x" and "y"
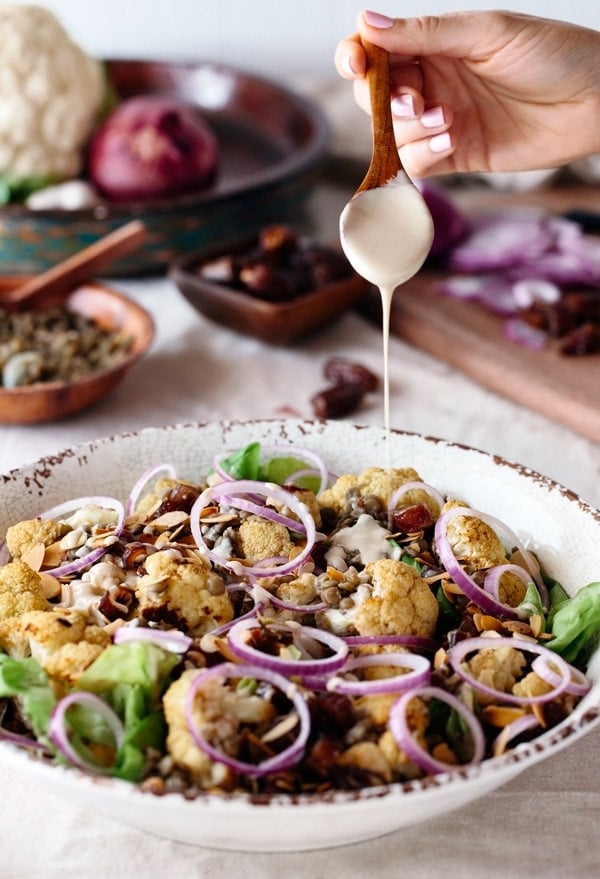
{"x": 473, "y": 541}
{"x": 22, "y": 537}
{"x": 531, "y": 685}
{"x": 368, "y": 758}
{"x": 20, "y": 590}
{"x": 378, "y": 482}
{"x": 301, "y": 590}
{"x": 258, "y": 539}
{"x": 63, "y": 641}
{"x": 219, "y": 712}
{"x": 499, "y": 668}
{"x": 182, "y": 592}
{"x": 401, "y": 602}
{"x": 181, "y": 747}
{"x": 377, "y": 710}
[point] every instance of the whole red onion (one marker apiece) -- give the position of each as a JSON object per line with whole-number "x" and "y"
{"x": 152, "y": 147}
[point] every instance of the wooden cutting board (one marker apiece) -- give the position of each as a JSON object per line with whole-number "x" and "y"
{"x": 469, "y": 338}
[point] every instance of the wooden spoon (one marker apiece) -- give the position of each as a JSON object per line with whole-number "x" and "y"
{"x": 56, "y": 284}
{"x": 386, "y": 229}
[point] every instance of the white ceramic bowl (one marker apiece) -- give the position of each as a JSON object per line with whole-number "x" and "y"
{"x": 562, "y": 529}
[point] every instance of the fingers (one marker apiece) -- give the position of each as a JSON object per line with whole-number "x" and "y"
{"x": 424, "y": 140}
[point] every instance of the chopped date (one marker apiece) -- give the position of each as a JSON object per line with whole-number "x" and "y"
{"x": 412, "y": 519}
{"x": 582, "y": 340}
{"x": 278, "y": 266}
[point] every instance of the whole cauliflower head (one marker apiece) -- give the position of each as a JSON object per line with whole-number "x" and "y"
{"x": 401, "y": 602}
{"x": 51, "y": 93}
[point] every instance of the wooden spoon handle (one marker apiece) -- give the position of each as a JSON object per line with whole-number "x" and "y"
{"x": 81, "y": 266}
{"x": 385, "y": 161}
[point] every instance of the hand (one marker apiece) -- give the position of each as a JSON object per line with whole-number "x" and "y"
{"x": 484, "y": 91}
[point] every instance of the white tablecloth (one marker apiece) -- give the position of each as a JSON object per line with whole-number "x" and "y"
{"x": 542, "y": 824}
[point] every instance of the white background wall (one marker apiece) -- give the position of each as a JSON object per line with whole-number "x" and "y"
{"x": 273, "y": 37}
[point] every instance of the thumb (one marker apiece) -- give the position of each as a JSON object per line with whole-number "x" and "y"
{"x": 456, "y": 34}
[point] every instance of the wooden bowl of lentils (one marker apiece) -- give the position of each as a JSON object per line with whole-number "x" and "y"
{"x": 60, "y": 359}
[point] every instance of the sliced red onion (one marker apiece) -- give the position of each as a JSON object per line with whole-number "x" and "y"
{"x": 226, "y": 490}
{"x": 241, "y": 503}
{"x": 512, "y": 730}
{"x": 472, "y": 590}
{"x": 302, "y": 454}
{"x": 169, "y": 639}
{"x": 283, "y": 452}
{"x": 418, "y": 676}
{"x": 151, "y": 473}
{"x": 578, "y": 684}
{"x": 429, "y": 490}
{"x": 400, "y": 729}
{"x": 286, "y": 758}
{"x": 492, "y": 579}
{"x": 301, "y": 667}
{"x": 72, "y": 506}
{"x": 495, "y": 292}
{"x": 266, "y": 597}
{"x": 23, "y": 741}
{"x": 521, "y": 333}
{"x": 458, "y": 652}
{"x": 59, "y": 734}
{"x": 499, "y": 240}
{"x": 528, "y": 291}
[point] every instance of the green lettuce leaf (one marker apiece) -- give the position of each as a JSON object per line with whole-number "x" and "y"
{"x": 575, "y": 624}
{"x": 27, "y": 682}
{"x": 132, "y": 678}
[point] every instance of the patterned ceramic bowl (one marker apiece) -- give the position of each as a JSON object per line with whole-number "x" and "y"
{"x": 561, "y": 528}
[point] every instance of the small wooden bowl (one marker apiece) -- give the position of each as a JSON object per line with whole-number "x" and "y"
{"x": 277, "y": 323}
{"x": 51, "y": 401}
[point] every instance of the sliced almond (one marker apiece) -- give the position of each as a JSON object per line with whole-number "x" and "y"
{"x": 34, "y": 557}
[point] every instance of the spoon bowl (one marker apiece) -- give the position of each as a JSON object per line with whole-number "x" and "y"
{"x": 386, "y": 229}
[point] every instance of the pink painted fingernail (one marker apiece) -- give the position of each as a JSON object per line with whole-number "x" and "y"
{"x": 440, "y": 143}
{"x": 377, "y": 19}
{"x": 403, "y": 106}
{"x": 433, "y": 118}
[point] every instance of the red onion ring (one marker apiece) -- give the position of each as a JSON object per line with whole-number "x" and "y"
{"x": 300, "y": 667}
{"x": 456, "y": 655}
{"x": 511, "y": 731}
{"x": 418, "y": 676}
{"x": 578, "y": 684}
{"x": 492, "y": 579}
{"x": 57, "y": 728}
{"x": 267, "y": 597}
{"x": 286, "y": 758}
{"x": 72, "y": 507}
{"x": 172, "y": 640}
{"x": 226, "y": 490}
{"x": 241, "y": 503}
{"x": 303, "y": 454}
{"x": 398, "y": 725}
{"x": 284, "y": 452}
{"x": 23, "y": 741}
{"x": 472, "y": 590}
{"x": 136, "y": 491}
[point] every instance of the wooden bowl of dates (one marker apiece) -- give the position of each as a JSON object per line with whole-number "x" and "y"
{"x": 273, "y": 285}
{"x": 57, "y": 360}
